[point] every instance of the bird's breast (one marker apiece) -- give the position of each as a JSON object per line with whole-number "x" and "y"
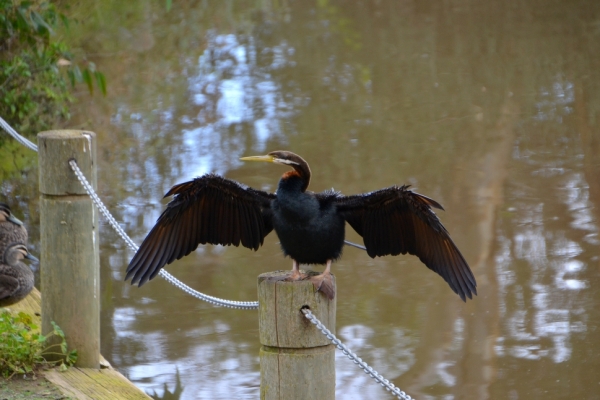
{"x": 309, "y": 233}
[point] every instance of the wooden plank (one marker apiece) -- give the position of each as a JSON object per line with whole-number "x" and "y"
{"x": 92, "y": 384}
{"x": 32, "y": 305}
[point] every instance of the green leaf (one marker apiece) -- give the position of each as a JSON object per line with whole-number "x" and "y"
{"x": 42, "y": 26}
{"x": 22, "y": 17}
{"x": 57, "y": 330}
{"x": 71, "y": 75}
{"x": 65, "y": 21}
{"x": 72, "y": 357}
{"x": 101, "y": 81}
{"x": 87, "y": 78}
{"x": 33, "y": 21}
{"x": 77, "y": 74}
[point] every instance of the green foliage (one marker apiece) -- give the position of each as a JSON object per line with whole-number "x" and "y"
{"x": 16, "y": 160}
{"x": 23, "y": 347}
{"x": 34, "y": 69}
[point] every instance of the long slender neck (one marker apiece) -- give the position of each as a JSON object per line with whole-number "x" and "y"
{"x": 291, "y": 183}
{"x": 294, "y": 204}
{"x": 300, "y": 173}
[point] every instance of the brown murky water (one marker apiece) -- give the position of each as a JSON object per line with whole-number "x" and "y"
{"x": 491, "y": 108}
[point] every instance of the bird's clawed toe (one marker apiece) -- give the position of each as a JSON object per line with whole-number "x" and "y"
{"x": 324, "y": 283}
{"x": 296, "y": 275}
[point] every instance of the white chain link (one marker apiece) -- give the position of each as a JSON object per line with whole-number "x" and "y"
{"x": 390, "y": 387}
{"x": 245, "y": 305}
{"x": 24, "y": 141}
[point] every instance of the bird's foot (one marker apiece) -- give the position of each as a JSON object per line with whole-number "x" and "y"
{"x": 324, "y": 283}
{"x": 296, "y": 275}
{"x": 290, "y": 276}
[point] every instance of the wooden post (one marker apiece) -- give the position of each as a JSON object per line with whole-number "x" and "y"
{"x": 296, "y": 360}
{"x": 70, "y": 274}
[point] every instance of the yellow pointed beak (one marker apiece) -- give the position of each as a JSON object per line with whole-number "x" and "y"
{"x": 266, "y": 158}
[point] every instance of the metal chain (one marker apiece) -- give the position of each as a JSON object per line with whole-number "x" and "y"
{"x": 245, "y": 305}
{"x": 390, "y": 387}
{"x": 24, "y": 141}
{"x": 358, "y": 246}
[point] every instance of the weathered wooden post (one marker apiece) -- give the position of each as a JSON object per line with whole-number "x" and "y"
{"x": 296, "y": 360}
{"x": 70, "y": 274}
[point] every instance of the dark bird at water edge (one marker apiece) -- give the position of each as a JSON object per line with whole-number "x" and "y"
{"x": 310, "y": 226}
{"x": 16, "y": 278}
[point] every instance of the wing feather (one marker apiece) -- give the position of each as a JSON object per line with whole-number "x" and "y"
{"x": 208, "y": 209}
{"x": 8, "y": 285}
{"x": 397, "y": 220}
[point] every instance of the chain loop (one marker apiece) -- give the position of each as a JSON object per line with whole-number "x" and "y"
{"x": 24, "y": 141}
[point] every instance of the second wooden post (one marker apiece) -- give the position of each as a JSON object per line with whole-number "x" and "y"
{"x": 296, "y": 360}
{"x": 69, "y": 242}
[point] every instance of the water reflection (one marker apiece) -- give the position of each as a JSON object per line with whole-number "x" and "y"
{"x": 234, "y": 92}
{"x": 222, "y": 359}
{"x": 556, "y": 101}
{"x": 352, "y": 382}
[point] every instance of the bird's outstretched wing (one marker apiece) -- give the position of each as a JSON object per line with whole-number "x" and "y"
{"x": 208, "y": 209}
{"x": 397, "y": 220}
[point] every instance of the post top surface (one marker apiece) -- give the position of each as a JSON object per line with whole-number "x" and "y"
{"x": 65, "y": 134}
{"x": 273, "y": 275}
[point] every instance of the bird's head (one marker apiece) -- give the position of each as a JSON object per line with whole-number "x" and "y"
{"x": 288, "y": 158}
{"x": 15, "y": 252}
{"x": 6, "y": 215}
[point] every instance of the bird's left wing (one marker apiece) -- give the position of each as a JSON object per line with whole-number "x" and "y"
{"x": 8, "y": 285}
{"x": 397, "y": 220}
{"x": 208, "y": 209}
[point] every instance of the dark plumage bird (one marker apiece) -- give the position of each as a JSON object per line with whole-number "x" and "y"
{"x": 310, "y": 226}
{"x": 11, "y": 229}
{"x": 16, "y": 278}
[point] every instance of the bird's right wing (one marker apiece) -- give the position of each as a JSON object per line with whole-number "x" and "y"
{"x": 208, "y": 209}
{"x": 396, "y": 220}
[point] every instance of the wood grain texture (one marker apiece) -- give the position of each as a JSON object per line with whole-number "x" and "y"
{"x": 30, "y": 305}
{"x": 296, "y": 360}
{"x": 291, "y": 374}
{"x": 281, "y": 323}
{"x": 70, "y": 266}
{"x": 91, "y": 384}
{"x": 55, "y": 149}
